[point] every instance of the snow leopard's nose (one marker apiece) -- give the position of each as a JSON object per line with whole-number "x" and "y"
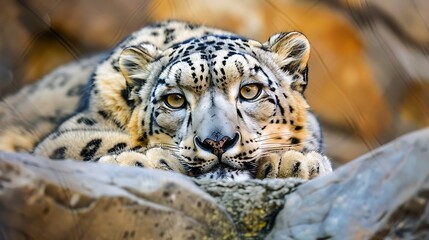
{"x": 219, "y": 146}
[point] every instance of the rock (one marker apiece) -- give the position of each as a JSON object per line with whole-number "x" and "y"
{"x": 251, "y": 204}
{"x": 382, "y": 194}
{"x": 44, "y": 199}
{"x": 135, "y": 203}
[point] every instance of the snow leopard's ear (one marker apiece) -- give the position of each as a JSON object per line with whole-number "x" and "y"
{"x": 293, "y": 50}
{"x": 134, "y": 62}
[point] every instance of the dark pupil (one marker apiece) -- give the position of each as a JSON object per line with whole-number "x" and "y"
{"x": 176, "y": 99}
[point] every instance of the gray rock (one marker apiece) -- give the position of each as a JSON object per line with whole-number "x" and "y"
{"x": 251, "y": 204}
{"x": 45, "y": 199}
{"x": 75, "y": 200}
{"x": 383, "y": 194}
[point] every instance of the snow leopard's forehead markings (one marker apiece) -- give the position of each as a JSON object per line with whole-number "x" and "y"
{"x": 204, "y": 62}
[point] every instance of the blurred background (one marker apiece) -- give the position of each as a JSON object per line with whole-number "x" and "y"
{"x": 369, "y": 68}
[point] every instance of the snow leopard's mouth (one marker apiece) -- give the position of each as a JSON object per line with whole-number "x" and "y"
{"x": 224, "y": 172}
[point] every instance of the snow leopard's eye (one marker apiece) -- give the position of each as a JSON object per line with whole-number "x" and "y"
{"x": 250, "y": 91}
{"x": 175, "y": 101}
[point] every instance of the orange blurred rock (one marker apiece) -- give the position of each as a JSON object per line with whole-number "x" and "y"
{"x": 415, "y": 106}
{"x": 96, "y": 24}
{"x": 39, "y": 60}
{"x": 13, "y": 36}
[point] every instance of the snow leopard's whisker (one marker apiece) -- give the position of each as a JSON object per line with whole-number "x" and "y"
{"x": 269, "y": 153}
{"x": 166, "y": 146}
{"x": 277, "y": 136}
{"x": 266, "y": 141}
{"x": 280, "y": 146}
{"x": 272, "y": 135}
{"x": 277, "y": 149}
{"x": 163, "y": 145}
{"x": 171, "y": 148}
{"x": 263, "y": 147}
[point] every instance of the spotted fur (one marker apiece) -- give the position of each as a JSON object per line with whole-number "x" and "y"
{"x": 209, "y": 129}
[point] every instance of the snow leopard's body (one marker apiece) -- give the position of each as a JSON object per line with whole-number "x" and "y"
{"x": 182, "y": 97}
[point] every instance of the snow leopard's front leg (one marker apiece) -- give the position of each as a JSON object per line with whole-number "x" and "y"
{"x": 294, "y": 164}
{"x": 106, "y": 146}
{"x": 155, "y": 158}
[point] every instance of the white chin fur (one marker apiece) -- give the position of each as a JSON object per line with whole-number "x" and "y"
{"x": 227, "y": 174}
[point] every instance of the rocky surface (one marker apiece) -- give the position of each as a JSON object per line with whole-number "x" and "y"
{"x": 44, "y": 199}
{"x": 383, "y": 194}
{"x": 87, "y": 201}
{"x": 251, "y": 204}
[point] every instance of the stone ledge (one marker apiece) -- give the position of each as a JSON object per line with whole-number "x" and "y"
{"x": 45, "y": 199}
{"x": 382, "y": 194}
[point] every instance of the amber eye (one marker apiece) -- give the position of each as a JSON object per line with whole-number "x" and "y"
{"x": 175, "y": 101}
{"x": 250, "y": 91}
